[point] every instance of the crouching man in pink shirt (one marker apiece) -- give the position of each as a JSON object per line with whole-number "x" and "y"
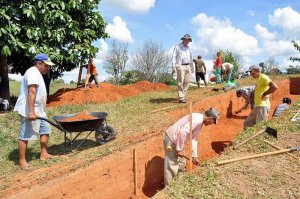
{"x": 175, "y": 139}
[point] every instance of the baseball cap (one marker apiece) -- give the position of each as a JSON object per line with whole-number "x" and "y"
{"x": 254, "y": 67}
{"x": 44, "y": 58}
{"x": 213, "y": 113}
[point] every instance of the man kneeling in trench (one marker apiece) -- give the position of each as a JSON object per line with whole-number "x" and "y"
{"x": 175, "y": 138}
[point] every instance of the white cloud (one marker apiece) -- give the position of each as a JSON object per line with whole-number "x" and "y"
{"x": 264, "y": 33}
{"x": 251, "y": 13}
{"x": 214, "y": 34}
{"x": 119, "y": 31}
{"x": 288, "y": 19}
{"x": 136, "y": 6}
{"x": 278, "y": 48}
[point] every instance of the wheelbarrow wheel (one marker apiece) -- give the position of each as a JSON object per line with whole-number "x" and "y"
{"x": 105, "y": 134}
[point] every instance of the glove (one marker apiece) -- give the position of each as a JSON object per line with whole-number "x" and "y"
{"x": 196, "y": 161}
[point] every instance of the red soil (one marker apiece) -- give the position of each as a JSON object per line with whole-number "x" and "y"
{"x": 79, "y": 117}
{"x": 112, "y": 176}
{"x": 106, "y": 93}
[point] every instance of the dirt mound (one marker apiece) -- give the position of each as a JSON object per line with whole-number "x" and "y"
{"x": 106, "y": 93}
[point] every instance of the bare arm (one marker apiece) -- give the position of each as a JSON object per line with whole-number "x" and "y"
{"x": 32, "y": 90}
{"x": 272, "y": 88}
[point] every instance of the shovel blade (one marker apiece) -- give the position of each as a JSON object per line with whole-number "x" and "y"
{"x": 271, "y": 131}
{"x": 297, "y": 148}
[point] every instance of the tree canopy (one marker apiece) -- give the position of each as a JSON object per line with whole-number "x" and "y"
{"x": 63, "y": 29}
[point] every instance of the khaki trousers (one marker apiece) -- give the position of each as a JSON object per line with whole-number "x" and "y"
{"x": 183, "y": 79}
{"x": 258, "y": 114}
{"x": 174, "y": 166}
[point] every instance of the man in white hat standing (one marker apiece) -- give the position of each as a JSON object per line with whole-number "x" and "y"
{"x": 182, "y": 63}
{"x": 263, "y": 88}
{"x": 32, "y": 104}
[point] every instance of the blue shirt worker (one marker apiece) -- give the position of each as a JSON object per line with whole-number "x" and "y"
{"x": 182, "y": 64}
{"x": 31, "y": 104}
{"x": 286, "y": 102}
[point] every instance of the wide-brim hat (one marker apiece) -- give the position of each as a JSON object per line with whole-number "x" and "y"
{"x": 187, "y": 36}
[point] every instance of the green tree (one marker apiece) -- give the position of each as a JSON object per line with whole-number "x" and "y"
{"x": 131, "y": 76}
{"x": 297, "y": 47}
{"x": 230, "y": 57}
{"x": 293, "y": 69}
{"x": 63, "y": 29}
{"x": 167, "y": 78}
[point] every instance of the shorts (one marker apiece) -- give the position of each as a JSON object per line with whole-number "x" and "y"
{"x": 199, "y": 75}
{"x": 30, "y": 130}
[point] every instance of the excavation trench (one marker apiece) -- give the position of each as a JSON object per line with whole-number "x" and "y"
{"x": 113, "y": 177}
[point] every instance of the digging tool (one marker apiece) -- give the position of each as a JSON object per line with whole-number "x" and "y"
{"x": 191, "y": 136}
{"x": 277, "y": 147}
{"x": 294, "y": 119}
{"x": 135, "y": 171}
{"x": 260, "y": 155}
{"x": 268, "y": 130}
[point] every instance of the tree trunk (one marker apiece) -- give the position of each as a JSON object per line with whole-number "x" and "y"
{"x": 4, "y": 80}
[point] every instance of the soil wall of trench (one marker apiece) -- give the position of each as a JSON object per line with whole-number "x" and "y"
{"x": 113, "y": 177}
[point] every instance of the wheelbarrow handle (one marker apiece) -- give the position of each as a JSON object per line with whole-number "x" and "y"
{"x": 52, "y": 123}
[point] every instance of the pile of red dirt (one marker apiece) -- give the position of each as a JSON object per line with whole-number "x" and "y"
{"x": 106, "y": 93}
{"x": 79, "y": 117}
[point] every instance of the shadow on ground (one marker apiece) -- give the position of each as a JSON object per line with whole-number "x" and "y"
{"x": 219, "y": 146}
{"x": 154, "y": 176}
{"x": 59, "y": 149}
{"x": 162, "y": 100}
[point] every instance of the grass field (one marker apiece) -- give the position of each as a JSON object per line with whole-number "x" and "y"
{"x": 129, "y": 116}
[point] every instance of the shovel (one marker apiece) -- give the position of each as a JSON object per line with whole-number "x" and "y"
{"x": 260, "y": 155}
{"x": 268, "y": 130}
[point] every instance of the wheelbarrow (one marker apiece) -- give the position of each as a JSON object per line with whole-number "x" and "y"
{"x": 103, "y": 131}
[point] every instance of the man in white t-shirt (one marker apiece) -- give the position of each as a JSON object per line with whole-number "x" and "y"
{"x": 227, "y": 69}
{"x": 31, "y": 104}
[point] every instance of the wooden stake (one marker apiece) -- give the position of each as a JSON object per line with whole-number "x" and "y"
{"x": 135, "y": 171}
{"x": 191, "y": 136}
{"x": 277, "y": 147}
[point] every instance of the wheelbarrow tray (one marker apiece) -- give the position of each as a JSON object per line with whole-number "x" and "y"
{"x": 81, "y": 125}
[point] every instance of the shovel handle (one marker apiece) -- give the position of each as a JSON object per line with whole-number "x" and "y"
{"x": 247, "y": 140}
{"x": 52, "y": 123}
{"x": 254, "y": 156}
